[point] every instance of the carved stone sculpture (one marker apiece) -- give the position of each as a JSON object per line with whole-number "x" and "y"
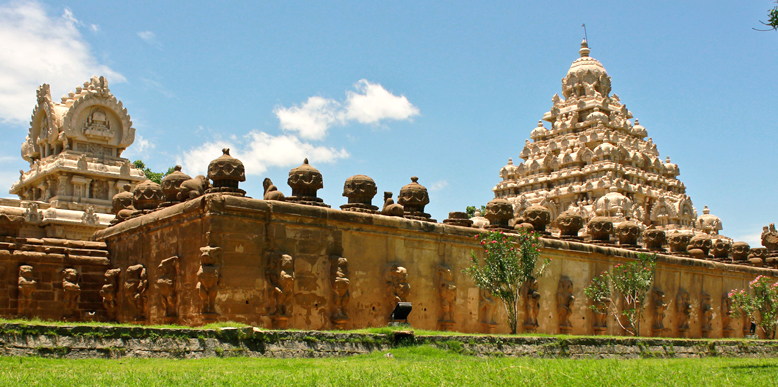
{"x": 72, "y": 291}
{"x": 147, "y": 196}
{"x": 226, "y": 173}
{"x": 305, "y": 181}
{"x": 397, "y": 283}
{"x": 271, "y": 191}
{"x": 660, "y": 306}
{"x": 770, "y": 237}
{"x": 171, "y": 184}
{"x": 135, "y": 284}
{"x": 757, "y": 256}
{"x": 414, "y": 197}
{"x": 654, "y": 239}
{"x": 108, "y": 292}
{"x": 720, "y": 248}
{"x": 678, "y": 242}
{"x": 564, "y": 304}
{"x": 499, "y": 212}
{"x": 208, "y": 280}
{"x": 726, "y": 316}
{"x": 122, "y": 205}
{"x": 168, "y": 278}
{"x": 740, "y": 251}
{"x": 360, "y": 190}
{"x": 601, "y": 310}
{"x": 447, "y": 291}
{"x": 699, "y": 246}
{"x": 339, "y": 275}
{"x": 531, "y": 304}
{"x": 628, "y": 233}
{"x": 538, "y": 216}
{"x": 569, "y": 223}
{"x": 192, "y": 188}
{"x": 600, "y": 227}
{"x": 486, "y": 308}
{"x": 458, "y": 218}
{"x": 706, "y": 312}
{"x": 27, "y": 286}
{"x": 281, "y": 275}
{"x": 683, "y": 312}
{"x": 390, "y": 208}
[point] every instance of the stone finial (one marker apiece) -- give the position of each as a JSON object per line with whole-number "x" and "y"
{"x": 654, "y": 239}
{"x": 740, "y": 251}
{"x": 171, "y": 183}
{"x": 678, "y": 242}
{"x": 569, "y": 223}
{"x": 122, "y": 205}
{"x": 720, "y": 248}
{"x": 538, "y": 216}
{"x": 600, "y": 227}
{"x": 147, "y": 196}
{"x": 414, "y": 197}
{"x": 226, "y": 173}
{"x": 360, "y": 190}
{"x": 458, "y": 218}
{"x": 628, "y": 233}
{"x": 305, "y": 180}
{"x": 499, "y": 212}
{"x": 699, "y": 245}
{"x": 584, "y": 51}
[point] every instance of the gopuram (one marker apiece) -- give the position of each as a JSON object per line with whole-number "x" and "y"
{"x": 194, "y": 250}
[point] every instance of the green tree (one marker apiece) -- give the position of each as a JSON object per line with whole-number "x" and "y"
{"x": 761, "y": 306}
{"x": 470, "y": 210}
{"x": 632, "y": 281}
{"x": 772, "y": 19}
{"x": 508, "y": 262}
{"x": 151, "y": 175}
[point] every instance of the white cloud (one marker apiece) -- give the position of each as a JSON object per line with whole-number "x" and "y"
{"x": 370, "y": 104}
{"x": 139, "y": 149}
{"x": 259, "y": 152}
{"x": 94, "y": 27}
{"x": 753, "y": 239}
{"x": 150, "y": 38}
{"x": 438, "y": 185}
{"x": 376, "y": 104}
{"x": 39, "y": 48}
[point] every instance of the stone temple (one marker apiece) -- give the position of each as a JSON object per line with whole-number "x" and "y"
{"x": 90, "y": 239}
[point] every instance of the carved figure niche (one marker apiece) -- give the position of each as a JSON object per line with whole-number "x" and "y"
{"x": 280, "y": 272}
{"x": 531, "y": 304}
{"x": 601, "y": 310}
{"x": 135, "y": 285}
{"x": 27, "y": 286}
{"x": 486, "y": 310}
{"x": 660, "y": 306}
{"x": 108, "y": 292}
{"x": 208, "y": 280}
{"x": 398, "y": 286}
{"x": 564, "y": 304}
{"x": 683, "y": 311}
{"x": 340, "y": 290}
{"x": 706, "y": 310}
{"x": 168, "y": 278}
{"x": 726, "y": 316}
{"x": 447, "y": 291}
{"x": 72, "y": 292}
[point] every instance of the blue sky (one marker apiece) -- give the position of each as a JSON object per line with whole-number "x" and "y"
{"x": 400, "y": 89}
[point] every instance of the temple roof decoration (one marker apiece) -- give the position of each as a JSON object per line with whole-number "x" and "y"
{"x": 592, "y": 157}
{"x": 74, "y": 149}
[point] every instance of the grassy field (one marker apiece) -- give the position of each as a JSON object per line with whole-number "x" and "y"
{"x": 410, "y": 366}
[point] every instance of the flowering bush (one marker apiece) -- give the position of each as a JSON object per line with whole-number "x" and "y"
{"x": 508, "y": 262}
{"x": 632, "y": 281}
{"x": 761, "y": 305}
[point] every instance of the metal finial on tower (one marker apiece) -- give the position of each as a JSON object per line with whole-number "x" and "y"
{"x": 585, "y": 36}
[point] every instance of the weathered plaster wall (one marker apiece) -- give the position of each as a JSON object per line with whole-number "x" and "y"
{"x": 251, "y": 232}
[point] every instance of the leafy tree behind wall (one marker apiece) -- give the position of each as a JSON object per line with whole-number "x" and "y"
{"x": 151, "y": 175}
{"x": 772, "y": 19}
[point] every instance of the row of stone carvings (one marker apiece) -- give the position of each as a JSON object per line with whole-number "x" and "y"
{"x": 600, "y": 228}
{"x": 225, "y": 173}
{"x": 27, "y": 286}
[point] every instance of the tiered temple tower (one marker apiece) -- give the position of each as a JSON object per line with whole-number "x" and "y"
{"x": 591, "y": 158}
{"x": 74, "y": 149}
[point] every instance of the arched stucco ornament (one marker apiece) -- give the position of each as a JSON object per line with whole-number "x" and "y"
{"x": 96, "y": 93}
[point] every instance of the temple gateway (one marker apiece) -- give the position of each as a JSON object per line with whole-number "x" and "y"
{"x": 90, "y": 239}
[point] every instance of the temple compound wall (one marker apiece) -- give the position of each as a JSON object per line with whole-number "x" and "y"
{"x": 286, "y": 265}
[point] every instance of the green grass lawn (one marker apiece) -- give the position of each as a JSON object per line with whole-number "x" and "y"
{"x": 409, "y": 366}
